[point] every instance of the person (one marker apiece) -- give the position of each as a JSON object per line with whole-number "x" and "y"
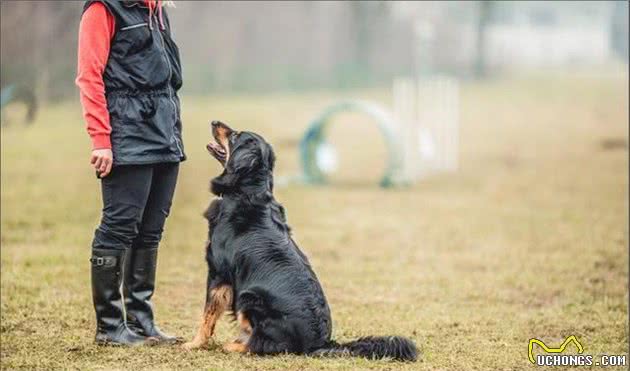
{"x": 128, "y": 76}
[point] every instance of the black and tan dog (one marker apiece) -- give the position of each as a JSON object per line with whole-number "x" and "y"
{"x": 257, "y": 272}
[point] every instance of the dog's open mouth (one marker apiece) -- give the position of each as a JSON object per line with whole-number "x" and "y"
{"x": 220, "y": 147}
{"x": 217, "y": 151}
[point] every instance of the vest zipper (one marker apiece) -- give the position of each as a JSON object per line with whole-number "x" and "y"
{"x": 170, "y": 91}
{"x": 134, "y": 26}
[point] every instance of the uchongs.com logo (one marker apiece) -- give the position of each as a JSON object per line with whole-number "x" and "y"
{"x": 555, "y": 356}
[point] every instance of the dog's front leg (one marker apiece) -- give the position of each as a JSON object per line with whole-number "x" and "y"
{"x": 218, "y": 300}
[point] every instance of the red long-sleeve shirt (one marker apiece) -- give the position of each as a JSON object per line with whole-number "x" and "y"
{"x": 96, "y": 30}
{"x": 95, "y": 33}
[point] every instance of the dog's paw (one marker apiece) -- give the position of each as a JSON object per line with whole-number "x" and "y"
{"x": 235, "y": 347}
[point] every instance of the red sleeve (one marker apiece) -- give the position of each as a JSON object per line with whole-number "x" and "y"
{"x": 95, "y": 33}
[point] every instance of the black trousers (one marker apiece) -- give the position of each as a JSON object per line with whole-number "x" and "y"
{"x": 136, "y": 201}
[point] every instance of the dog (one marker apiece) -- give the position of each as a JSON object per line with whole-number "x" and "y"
{"x": 257, "y": 272}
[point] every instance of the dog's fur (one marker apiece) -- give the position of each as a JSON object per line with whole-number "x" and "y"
{"x": 256, "y": 270}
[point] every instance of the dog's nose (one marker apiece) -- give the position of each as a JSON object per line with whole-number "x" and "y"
{"x": 216, "y": 123}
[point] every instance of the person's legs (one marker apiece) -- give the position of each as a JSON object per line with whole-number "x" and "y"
{"x": 125, "y": 191}
{"x": 140, "y": 268}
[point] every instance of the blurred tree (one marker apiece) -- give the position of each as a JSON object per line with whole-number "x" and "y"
{"x": 267, "y": 45}
{"x": 38, "y": 44}
{"x": 485, "y": 14}
{"x": 365, "y": 16}
{"x": 619, "y": 29}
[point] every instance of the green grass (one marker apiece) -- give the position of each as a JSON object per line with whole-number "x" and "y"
{"x": 528, "y": 239}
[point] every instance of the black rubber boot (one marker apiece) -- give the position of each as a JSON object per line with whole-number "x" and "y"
{"x": 106, "y": 280}
{"x": 138, "y": 287}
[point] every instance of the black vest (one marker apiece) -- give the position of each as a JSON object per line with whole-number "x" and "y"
{"x": 142, "y": 77}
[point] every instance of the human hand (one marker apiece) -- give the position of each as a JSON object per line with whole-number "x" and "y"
{"x": 102, "y": 160}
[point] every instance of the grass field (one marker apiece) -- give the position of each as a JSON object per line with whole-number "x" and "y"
{"x": 528, "y": 239}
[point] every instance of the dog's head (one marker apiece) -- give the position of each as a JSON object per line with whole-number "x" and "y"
{"x": 246, "y": 157}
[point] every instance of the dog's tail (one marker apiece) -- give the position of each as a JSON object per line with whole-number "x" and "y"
{"x": 373, "y": 347}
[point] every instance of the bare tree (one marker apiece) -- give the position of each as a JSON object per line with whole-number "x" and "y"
{"x": 485, "y": 12}
{"x": 41, "y": 57}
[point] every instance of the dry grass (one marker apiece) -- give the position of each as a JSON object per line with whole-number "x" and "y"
{"x": 529, "y": 239}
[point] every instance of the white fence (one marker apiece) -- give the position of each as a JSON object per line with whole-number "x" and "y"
{"x": 427, "y": 112}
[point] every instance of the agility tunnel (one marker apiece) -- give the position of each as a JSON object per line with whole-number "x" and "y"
{"x": 421, "y": 132}
{"x": 316, "y": 157}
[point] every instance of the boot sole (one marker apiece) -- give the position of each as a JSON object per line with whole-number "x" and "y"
{"x": 110, "y": 343}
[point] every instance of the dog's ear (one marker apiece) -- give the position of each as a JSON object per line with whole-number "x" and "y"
{"x": 269, "y": 157}
{"x": 212, "y": 212}
{"x": 224, "y": 183}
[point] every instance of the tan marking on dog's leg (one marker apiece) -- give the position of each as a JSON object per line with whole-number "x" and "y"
{"x": 240, "y": 344}
{"x": 243, "y": 323}
{"x": 220, "y": 301}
